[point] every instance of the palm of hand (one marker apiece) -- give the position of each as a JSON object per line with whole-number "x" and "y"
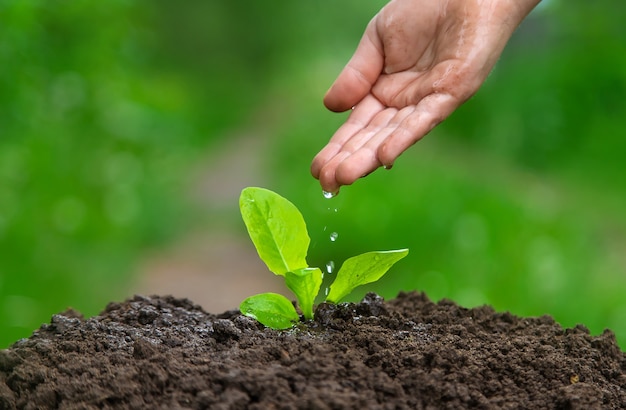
{"x": 413, "y": 67}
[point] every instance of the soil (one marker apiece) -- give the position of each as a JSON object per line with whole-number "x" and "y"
{"x": 167, "y": 353}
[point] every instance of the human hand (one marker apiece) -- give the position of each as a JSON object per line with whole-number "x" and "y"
{"x": 417, "y": 62}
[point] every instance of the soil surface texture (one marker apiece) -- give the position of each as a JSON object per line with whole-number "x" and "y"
{"x": 406, "y": 353}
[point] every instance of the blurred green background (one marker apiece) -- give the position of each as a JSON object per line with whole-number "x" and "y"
{"x": 106, "y": 109}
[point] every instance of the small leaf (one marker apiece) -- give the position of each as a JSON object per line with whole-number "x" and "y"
{"x": 305, "y": 283}
{"x": 276, "y": 228}
{"x": 270, "y": 309}
{"x": 362, "y": 269}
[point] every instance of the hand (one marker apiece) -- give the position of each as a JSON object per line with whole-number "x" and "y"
{"x": 416, "y": 63}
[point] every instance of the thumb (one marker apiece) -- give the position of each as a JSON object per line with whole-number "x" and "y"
{"x": 357, "y": 78}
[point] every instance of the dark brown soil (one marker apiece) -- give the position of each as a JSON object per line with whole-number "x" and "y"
{"x": 166, "y": 353}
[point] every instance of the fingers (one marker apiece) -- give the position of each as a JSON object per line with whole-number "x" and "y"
{"x": 359, "y": 118}
{"x": 375, "y": 136}
{"x": 432, "y": 110}
{"x": 356, "y": 79}
{"x": 352, "y": 156}
{"x": 364, "y": 160}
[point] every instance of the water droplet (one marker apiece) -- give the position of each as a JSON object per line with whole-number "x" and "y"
{"x": 387, "y": 166}
{"x": 326, "y": 292}
{"x": 336, "y": 210}
{"x": 329, "y": 195}
{"x": 330, "y": 267}
{"x": 334, "y": 236}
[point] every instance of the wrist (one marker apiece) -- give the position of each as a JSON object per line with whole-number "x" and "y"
{"x": 521, "y": 8}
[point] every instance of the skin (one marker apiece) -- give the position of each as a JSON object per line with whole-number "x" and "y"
{"x": 417, "y": 61}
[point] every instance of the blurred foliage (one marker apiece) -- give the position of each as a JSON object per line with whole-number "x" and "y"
{"x": 517, "y": 200}
{"x": 86, "y": 135}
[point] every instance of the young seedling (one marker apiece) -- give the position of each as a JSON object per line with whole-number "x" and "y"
{"x": 279, "y": 234}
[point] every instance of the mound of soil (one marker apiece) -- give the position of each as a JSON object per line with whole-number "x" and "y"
{"x": 167, "y": 353}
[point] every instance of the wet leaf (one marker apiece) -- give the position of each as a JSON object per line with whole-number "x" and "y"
{"x": 270, "y": 309}
{"x": 276, "y": 228}
{"x": 362, "y": 269}
{"x": 305, "y": 283}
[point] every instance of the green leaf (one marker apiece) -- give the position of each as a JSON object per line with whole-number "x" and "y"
{"x": 270, "y": 309}
{"x": 362, "y": 269}
{"x": 305, "y": 283}
{"x": 276, "y": 228}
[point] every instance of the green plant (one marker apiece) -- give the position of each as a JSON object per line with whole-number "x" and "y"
{"x": 279, "y": 234}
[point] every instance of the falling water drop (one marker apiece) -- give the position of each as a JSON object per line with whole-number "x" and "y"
{"x": 334, "y": 236}
{"x": 330, "y": 267}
